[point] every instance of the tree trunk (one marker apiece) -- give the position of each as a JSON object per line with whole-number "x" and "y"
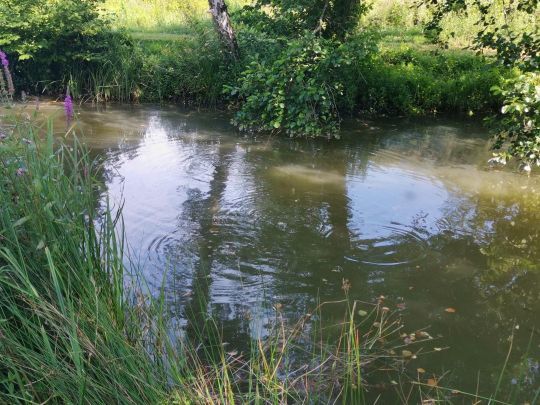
{"x": 222, "y": 22}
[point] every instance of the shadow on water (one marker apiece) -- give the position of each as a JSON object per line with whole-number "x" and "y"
{"x": 404, "y": 209}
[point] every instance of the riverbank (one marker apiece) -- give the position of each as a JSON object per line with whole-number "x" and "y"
{"x": 166, "y": 53}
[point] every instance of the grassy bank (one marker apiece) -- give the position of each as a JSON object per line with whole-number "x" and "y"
{"x": 411, "y": 76}
{"x": 403, "y": 77}
{"x": 159, "y": 51}
{"x": 407, "y": 74}
{"x": 77, "y": 328}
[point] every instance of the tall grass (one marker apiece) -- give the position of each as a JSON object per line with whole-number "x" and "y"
{"x": 68, "y": 334}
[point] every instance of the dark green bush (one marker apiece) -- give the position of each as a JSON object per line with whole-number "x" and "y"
{"x": 299, "y": 91}
{"x": 518, "y": 132}
{"x": 294, "y": 18}
{"x": 49, "y": 40}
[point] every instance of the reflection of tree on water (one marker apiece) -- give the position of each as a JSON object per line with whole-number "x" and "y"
{"x": 296, "y": 230}
{"x": 485, "y": 260}
{"x": 506, "y": 231}
{"x": 203, "y": 211}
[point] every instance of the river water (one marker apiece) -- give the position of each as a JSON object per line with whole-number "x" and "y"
{"x": 406, "y": 209}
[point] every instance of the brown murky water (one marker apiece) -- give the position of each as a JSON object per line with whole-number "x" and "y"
{"x": 407, "y": 209}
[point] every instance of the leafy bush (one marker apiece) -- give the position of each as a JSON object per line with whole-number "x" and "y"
{"x": 519, "y": 128}
{"x": 52, "y": 39}
{"x": 296, "y": 92}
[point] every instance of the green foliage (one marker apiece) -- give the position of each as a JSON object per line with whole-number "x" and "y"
{"x": 192, "y": 71}
{"x": 297, "y": 91}
{"x": 331, "y": 18}
{"x": 518, "y": 46}
{"x": 50, "y": 39}
{"x": 408, "y": 81}
{"x": 68, "y": 332}
{"x": 297, "y": 82}
{"x": 519, "y": 127}
{"x": 501, "y": 26}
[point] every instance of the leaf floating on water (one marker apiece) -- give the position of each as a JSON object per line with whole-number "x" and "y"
{"x": 406, "y": 354}
{"x": 432, "y": 382}
{"x": 423, "y": 335}
{"x": 362, "y": 312}
{"x": 420, "y": 370}
{"x": 450, "y": 310}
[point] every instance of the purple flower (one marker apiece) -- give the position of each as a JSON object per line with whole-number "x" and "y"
{"x": 5, "y": 63}
{"x": 68, "y": 107}
{"x": 20, "y": 171}
{"x": 4, "y": 59}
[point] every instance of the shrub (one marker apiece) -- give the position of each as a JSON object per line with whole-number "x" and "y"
{"x": 296, "y": 92}
{"x": 50, "y": 40}
{"x": 519, "y": 129}
{"x": 293, "y": 18}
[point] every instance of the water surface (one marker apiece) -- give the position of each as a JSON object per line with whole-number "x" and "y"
{"x": 407, "y": 209}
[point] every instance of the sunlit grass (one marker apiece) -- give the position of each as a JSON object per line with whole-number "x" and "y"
{"x": 161, "y": 16}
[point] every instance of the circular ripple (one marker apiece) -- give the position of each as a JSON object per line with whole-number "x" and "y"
{"x": 390, "y": 245}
